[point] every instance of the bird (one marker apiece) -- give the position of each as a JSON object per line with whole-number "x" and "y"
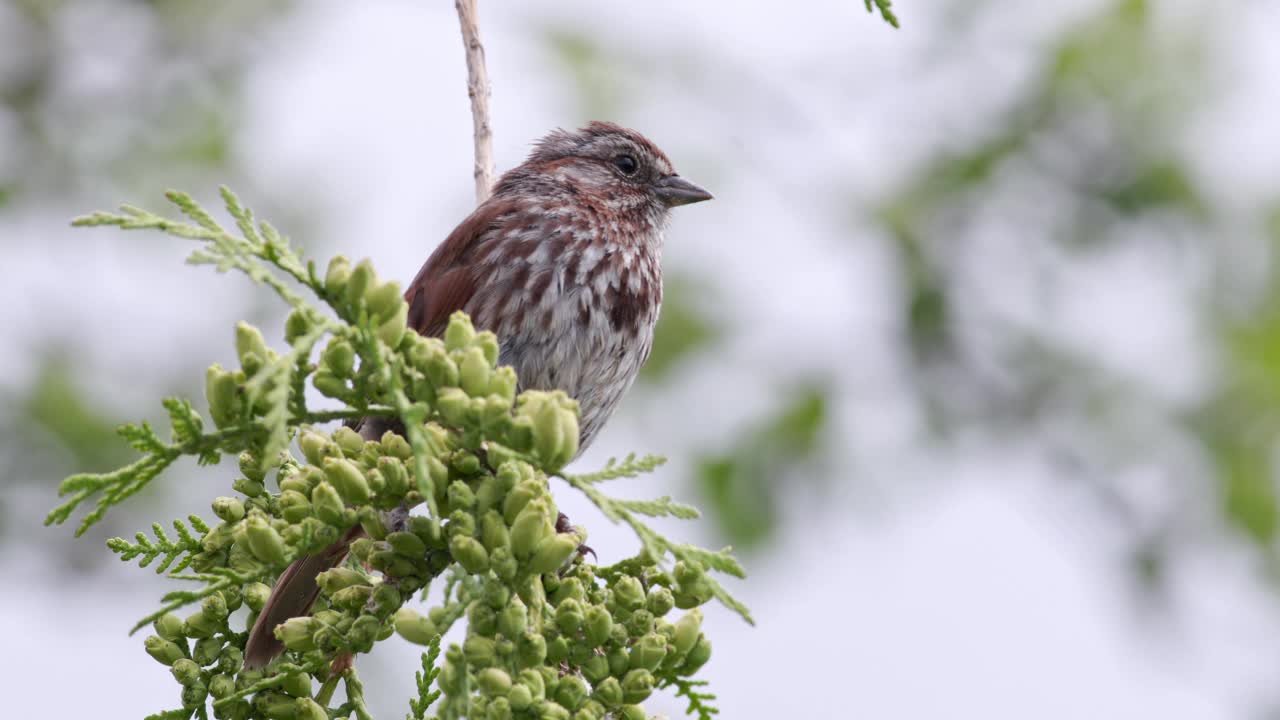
{"x": 563, "y": 262}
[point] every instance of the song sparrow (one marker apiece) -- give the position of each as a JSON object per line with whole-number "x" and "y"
{"x": 563, "y": 263}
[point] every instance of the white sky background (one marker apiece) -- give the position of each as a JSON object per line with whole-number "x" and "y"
{"x": 969, "y": 583}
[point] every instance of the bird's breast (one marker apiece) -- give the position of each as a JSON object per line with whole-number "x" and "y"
{"x": 583, "y": 324}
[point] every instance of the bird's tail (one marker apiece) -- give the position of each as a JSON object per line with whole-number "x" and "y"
{"x": 292, "y": 597}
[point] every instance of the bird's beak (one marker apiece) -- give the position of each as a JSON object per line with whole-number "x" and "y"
{"x": 675, "y": 190}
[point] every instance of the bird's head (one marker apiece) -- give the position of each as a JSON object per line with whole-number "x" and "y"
{"x": 613, "y": 167}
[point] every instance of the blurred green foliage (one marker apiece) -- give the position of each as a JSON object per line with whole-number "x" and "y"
{"x": 166, "y": 99}
{"x": 54, "y": 426}
{"x": 746, "y": 485}
{"x": 86, "y": 114}
{"x": 59, "y": 407}
{"x": 1100, "y": 127}
{"x": 1123, "y": 166}
{"x": 1239, "y": 422}
{"x": 684, "y": 326}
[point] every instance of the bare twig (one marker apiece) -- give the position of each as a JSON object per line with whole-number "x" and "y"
{"x": 478, "y": 90}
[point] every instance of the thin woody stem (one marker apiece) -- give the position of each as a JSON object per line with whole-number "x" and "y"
{"x": 478, "y": 91}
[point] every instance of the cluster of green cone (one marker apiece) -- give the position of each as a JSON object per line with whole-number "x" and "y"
{"x": 460, "y": 492}
{"x": 570, "y": 644}
{"x": 549, "y": 635}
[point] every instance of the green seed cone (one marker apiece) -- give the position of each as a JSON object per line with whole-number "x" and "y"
{"x": 503, "y": 383}
{"x": 598, "y": 624}
{"x": 428, "y": 531}
{"x": 469, "y": 553}
{"x": 250, "y": 488}
{"x": 609, "y": 692}
{"x": 569, "y": 616}
{"x": 337, "y": 274}
{"x": 255, "y": 596}
{"x": 595, "y": 668}
{"x": 518, "y": 498}
{"x": 686, "y": 633}
{"x": 628, "y": 593}
{"x": 514, "y": 618}
{"x": 327, "y": 503}
{"x": 385, "y": 599}
{"x": 474, "y": 372}
{"x": 307, "y": 709}
{"x": 351, "y": 598}
{"x": 413, "y": 627}
{"x": 298, "y": 633}
{"x": 494, "y": 682}
{"x": 185, "y": 671}
{"x": 520, "y": 697}
{"x": 637, "y": 685}
{"x": 454, "y": 405}
{"x": 383, "y": 299}
{"x": 460, "y": 333}
{"x": 276, "y": 706}
{"x": 697, "y": 657}
{"x": 531, "y": 649}
{"x": 348, "y": 441}
{"x": 165, "y": 652}
{"x": 228, "y": 509}
{"x": 230, "y": 660}
{"x": 314, "y": 446}
{"x": 295, "y": 326}
{"x": 221, "y": 391}
{"x": 407, "y": 544}
{"x": 362, "y": 278}
{"x": 548, "y": 710}
{"x": 479, "y": 651}
{"x": 221, "y": 686}
{"x": 571, "y": 692}
{"x": 206, "y": 651}
{"x": 391, "y": 331}
{"x": 297, "y": 685}
{"x": 249, "y": 341}
{"x": 265, "y": 543}
{"x": 648, "y": 652}
{"x": 394, "y": 476}
{"x": 329, "y": 384}
{"x": 199, "y": 625}
{"x": 168, "y": 626}
{"x": 194, "y": 695}
{"x": 660, "y": 601}
{"x": 493, "y": 531}
{"x": 294, "y": 506}
{"x": 530, "y": 528}
{"x": 632, "y": 712}
{"x": 347, "y": 479}
{"x": 553, "y": 552}
{"x": 533, "y": 680}
{"x": 340, "y": 578}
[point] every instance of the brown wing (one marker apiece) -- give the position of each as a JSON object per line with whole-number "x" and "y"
{"x": 447, "y": 279}
{"x": 292, "y": 597}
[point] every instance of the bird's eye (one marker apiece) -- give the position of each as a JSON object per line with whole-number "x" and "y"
{"x": 627, "y": 164}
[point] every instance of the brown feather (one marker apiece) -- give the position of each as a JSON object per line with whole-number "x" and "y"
{"x": 292, "y": 597}
{"x": 446, "y": 281}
